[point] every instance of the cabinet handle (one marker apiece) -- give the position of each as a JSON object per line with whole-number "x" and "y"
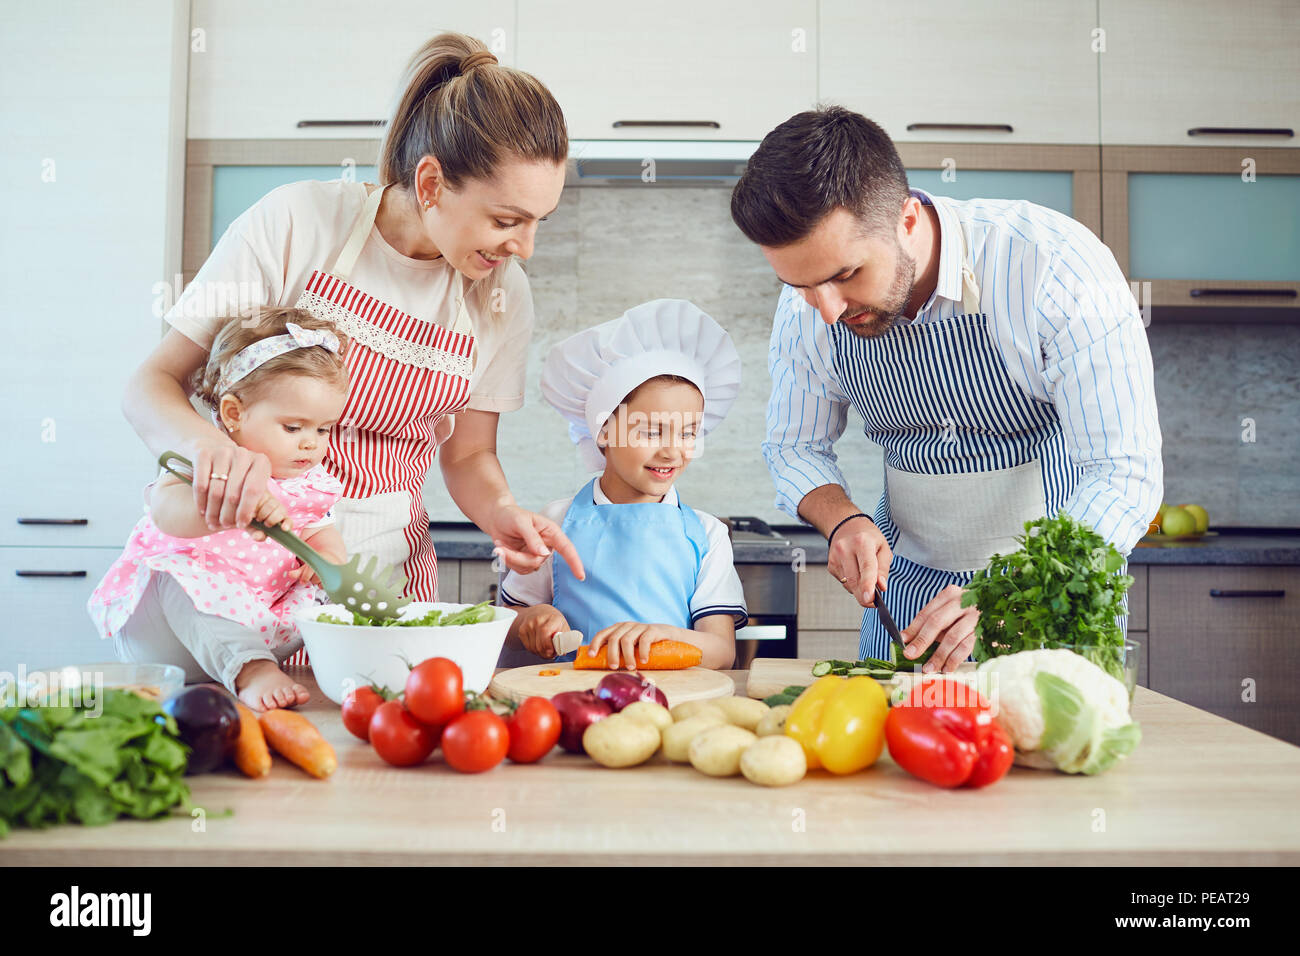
{"x": 697, "y": 124}
{"x": 1241, "y": 131}
{"x": 304, "y": 124}
{"x": 1270, "y": 293}
{"x": 53, "y": 521}
{"x": 50, "y": 574}
{"x": 1215, "y": 592}
{"x": 961, "y": 127}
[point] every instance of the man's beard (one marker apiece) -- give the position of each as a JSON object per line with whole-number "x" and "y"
{"x": 896, "y": 299}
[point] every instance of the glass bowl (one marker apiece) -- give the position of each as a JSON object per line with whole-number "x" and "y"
{"x": 70, "y": 684}
{"x": 1120, "y": 661}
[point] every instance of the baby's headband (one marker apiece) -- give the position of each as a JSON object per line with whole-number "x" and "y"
{"x": 264, "y": 350}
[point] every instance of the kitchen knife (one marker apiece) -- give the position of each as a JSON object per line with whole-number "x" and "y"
{"x": 890, "y": 627}
{"x": 566, "y": 641}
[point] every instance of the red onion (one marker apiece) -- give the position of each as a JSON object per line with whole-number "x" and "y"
{"x": 579, "y": 709}
{"x": 621, "y": 689}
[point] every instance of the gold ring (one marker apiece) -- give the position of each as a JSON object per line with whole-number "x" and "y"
{"x": 219, "y": 478}
{"x": 844, "y": 580}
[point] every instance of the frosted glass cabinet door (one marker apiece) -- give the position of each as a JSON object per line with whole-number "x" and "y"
{"x": 1174, "y": 66}
{"x": 236, "y": 188}
{"x": 1055, "y": 190}
{"x": 745, "y": 67}
{"x": 1214, "y": 227}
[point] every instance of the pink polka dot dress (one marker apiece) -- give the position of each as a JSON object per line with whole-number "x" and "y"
{"x": 228, "y": 573}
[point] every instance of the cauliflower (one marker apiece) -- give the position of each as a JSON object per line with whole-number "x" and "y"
{"x": 1060, "y": 709}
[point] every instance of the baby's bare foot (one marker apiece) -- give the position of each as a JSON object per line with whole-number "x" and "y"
{"x": 263, "y": 686}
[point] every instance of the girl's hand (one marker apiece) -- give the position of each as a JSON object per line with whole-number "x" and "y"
{"x": 629, "y": 642}
{"x": 229, "y": 502}
{"x": 304, "y": 574}
{"x": 525, "y": 540}
{"x": 538, "y": 626}
{"x": 271, "y": 511}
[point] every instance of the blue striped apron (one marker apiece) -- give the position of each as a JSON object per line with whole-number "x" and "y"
{"x": 936, "y": 396}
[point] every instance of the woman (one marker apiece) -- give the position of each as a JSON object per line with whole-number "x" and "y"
{"x": 419, "y": 273}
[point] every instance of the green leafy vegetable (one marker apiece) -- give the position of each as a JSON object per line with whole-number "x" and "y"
{"x": 1062, "y": 589}
{"x": 477, "y": 614}
{"x": 89, "y": 765}
{"x": 787, "y": 696}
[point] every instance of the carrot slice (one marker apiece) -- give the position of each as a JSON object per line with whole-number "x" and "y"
{"x": 664, "y": 656}
{"x": 293, "y": 736}
{"x": 251, "y": 753}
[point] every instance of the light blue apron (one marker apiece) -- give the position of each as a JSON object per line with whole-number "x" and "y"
{"x": 642, "y": 563}
{"x": 954, "y": 426}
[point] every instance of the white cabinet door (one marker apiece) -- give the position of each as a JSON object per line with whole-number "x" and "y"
{"x": 1174, "y": 66}
{"x": 690, "y": 70}
{"x": 258, "y": 69}
{"x": 86, "y": 100}
{"x": 44, "y": 591}
{"x": 964, "y": 70}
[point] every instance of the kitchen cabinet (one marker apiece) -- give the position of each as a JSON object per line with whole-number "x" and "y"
{"x": 86, "y": 177}
{"x": 478, "y": 582}
{"x": 44, "y": 592}
{"x": 680, "y": 70}
{"x": 257, "y": 71}
{"x": 983, "y": 71}
{"x": 1200, "y": 72}
{"x": 1205, "y": 232}
{"x": 1225, "y": 639}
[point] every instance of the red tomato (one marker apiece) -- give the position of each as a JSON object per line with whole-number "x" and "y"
{"x": 534, "y": 728}
{"x": 477, "y": 740}
{"x": 358, "y": 707}
{"x": 398, "y": 737}
{"x": 435, "y": 692}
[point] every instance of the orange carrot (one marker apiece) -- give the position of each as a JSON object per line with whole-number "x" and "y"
{"x": 664, "y": 656}
{"x": 293, "y": 736}
{"x": 251, "y": 755}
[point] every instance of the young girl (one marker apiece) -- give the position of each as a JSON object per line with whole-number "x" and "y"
{"x": 638, "y": 393}
{"x": 221, "y": 605}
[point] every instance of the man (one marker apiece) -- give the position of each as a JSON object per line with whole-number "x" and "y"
{"x": 992, "y": 348}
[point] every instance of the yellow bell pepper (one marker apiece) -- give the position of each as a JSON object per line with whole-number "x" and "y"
{"x": 840, "y": 723}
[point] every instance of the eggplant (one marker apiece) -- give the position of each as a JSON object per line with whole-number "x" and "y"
{"x": 579, "y": 709}
{"x": 621, "y": 689}
{"x": 209, "y": 724}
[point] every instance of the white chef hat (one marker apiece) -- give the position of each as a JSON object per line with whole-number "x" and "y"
{"x": 589, "y": 374}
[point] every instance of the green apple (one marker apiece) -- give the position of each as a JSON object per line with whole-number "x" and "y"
{"x": 1201, "y": 515}
{"x": 1178, "y": 521}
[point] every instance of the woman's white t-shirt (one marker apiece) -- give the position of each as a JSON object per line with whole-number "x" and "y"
{"x": 267, "y": 255}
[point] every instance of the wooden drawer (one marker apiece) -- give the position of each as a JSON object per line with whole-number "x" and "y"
{"x": 824, "y": 605}
{"x": 820, "y": 645}
{"x": 1219, "y": 652}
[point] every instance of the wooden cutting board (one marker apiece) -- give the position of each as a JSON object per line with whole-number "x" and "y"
{"x": 771, "y": 675}
{"x": 693, "y": 683}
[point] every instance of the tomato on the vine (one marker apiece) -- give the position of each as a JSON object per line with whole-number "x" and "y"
{"x": 534, "y": 729}
{"x": 435, "y": 692}
{"x": 475, "y": 741}
{"x": 360, "y": 705}
{"x": 398, "y": 737}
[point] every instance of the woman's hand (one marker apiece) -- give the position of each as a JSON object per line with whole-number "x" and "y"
{"x": 525, "y": 540}
{"x": 229, "y": 484}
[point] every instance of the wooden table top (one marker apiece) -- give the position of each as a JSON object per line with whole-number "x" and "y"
{"x": 1199, "y": 790}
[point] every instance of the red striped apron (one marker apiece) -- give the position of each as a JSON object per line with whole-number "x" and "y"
{"x": 407, "y": 377}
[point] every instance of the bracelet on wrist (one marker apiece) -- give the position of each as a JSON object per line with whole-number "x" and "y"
{"x": 845, "y": 521}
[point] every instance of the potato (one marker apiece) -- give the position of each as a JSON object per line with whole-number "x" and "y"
{"x": 717, "y": 750}
{"x": 773, "y": 721}
{"x": 742, "y": 711}
{"x": 678, "y": 737}
{"x": 694, "y": 707}
{"x": 619, "y": 741}
{"x": 774, "y": 761}
{"x": 649, "y": 711}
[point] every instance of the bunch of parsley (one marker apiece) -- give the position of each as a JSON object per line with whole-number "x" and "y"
{"x": 60, "y": 764}
{"x": 1061, "y": 589}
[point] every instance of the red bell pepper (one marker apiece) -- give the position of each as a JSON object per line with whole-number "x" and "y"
{"x": 945, "y": 733}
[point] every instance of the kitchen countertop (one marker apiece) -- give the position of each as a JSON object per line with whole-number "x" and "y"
{"x": 468, "y": 543}
{"x": 1199, "y": 790}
